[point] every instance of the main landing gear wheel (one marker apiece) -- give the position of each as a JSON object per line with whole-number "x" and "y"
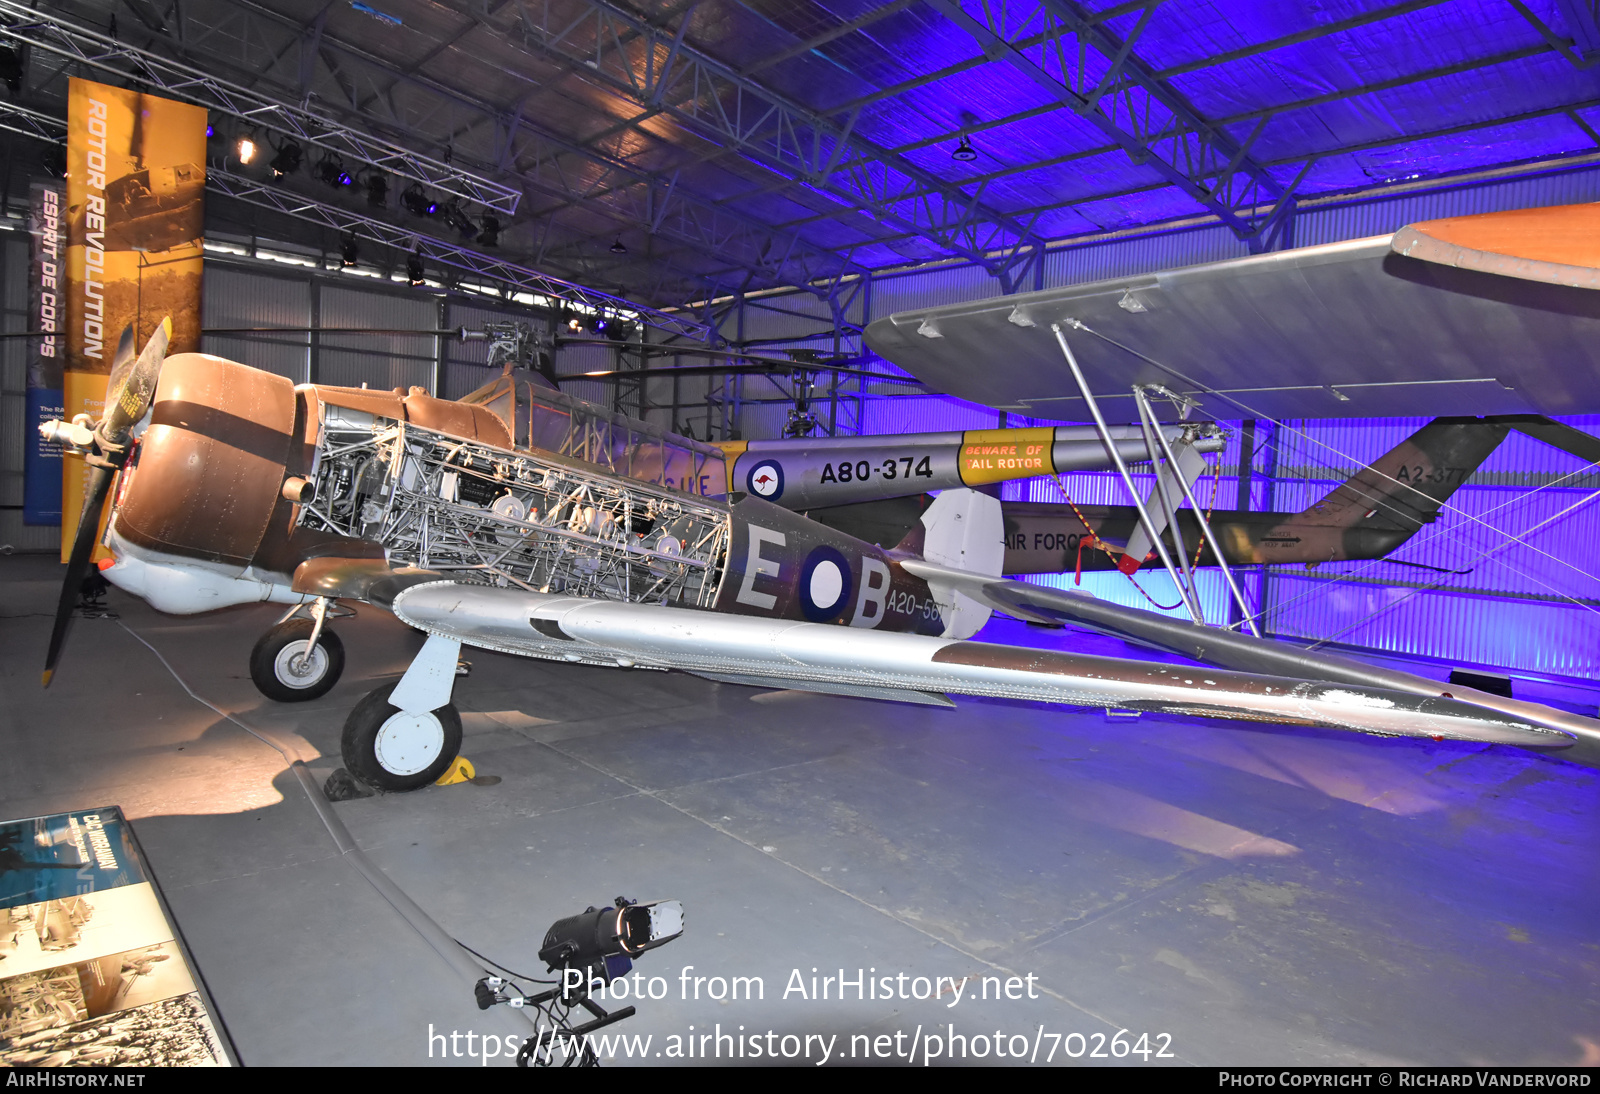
{"x": 393, "y": 750}
{"x": 283, "y": 671}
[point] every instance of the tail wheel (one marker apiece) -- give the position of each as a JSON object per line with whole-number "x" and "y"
{"x": 282, "y": 669}
{"x": 394, "y": 750}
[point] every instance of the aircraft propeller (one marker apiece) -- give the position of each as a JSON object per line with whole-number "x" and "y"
{"x": 130, "y": 389}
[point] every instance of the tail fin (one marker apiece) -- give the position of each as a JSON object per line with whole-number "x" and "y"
{"x": 962, "y": 530}
{"x": 1404, "y": 488}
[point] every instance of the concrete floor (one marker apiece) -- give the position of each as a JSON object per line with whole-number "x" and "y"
{"x": 1242, "y": 895}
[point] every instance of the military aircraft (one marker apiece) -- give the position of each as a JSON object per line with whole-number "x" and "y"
{"x": 1368, "y": 516}
{"x": 232, "y": 485}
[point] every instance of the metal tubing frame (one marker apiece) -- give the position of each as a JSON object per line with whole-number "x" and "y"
{"x": 1116, "y": 458}
{"x": 1148, "y": 426}
{"x": 1211, "y": 539}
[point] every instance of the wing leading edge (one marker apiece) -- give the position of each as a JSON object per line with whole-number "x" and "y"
{"x": 823, "y": 657}
{"x": 1474, "y": 316}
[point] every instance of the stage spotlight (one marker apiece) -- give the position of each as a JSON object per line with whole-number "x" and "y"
{"x": 417, "y": 201}
{"x": 489, "y": 230}
{"x": 414, "y": 268}
{"x": 377, "y": 186}
{"x": 349, "y": 250}
{"x": 11, "y": 68}
{"x": 964, "y": 151}
{"x": 330, "y": 169}
{"x": 603, "y": 941}
{"x": 458, "y": 220}
{"x": 288, "y": 159}
{"x": 244, "y": 149}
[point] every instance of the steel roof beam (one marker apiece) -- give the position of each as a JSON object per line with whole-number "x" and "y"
{"x": 639, "y": 199}
{"x": 1125, "y": 102}
{"x": 55, "y": 35}
{"x": 656, "y": 68}
{"x": 34, "y": 123}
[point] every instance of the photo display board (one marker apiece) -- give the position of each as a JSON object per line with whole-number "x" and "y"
{"x": 92, "y": 972}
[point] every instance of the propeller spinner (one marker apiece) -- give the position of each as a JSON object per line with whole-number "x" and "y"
{"x": 129, "y": 392}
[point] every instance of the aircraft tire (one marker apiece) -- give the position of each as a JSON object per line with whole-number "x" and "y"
{"x": 393, "y": 751}
{"x": 273, "y": 663}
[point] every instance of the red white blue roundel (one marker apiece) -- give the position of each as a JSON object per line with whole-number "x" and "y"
{"x": 765, "y": 480}
{"x": 824, "y": 584}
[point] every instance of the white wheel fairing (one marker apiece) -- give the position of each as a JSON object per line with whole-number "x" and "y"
{"x": 408, "y": 743}
{"x": 296, "y": 671}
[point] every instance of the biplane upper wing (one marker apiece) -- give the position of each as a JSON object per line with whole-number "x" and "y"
{"x": 1490, "y": 314}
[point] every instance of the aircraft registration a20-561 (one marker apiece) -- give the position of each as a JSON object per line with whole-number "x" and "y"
{"x": 465, "y": 520}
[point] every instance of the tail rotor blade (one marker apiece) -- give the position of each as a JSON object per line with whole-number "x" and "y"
{"x": 78, "y": 566}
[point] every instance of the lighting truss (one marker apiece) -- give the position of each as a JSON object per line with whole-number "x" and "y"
{"x": 52, "y": 34}
{"x": 34, "y": 123}
{"x": 445, "y": 253}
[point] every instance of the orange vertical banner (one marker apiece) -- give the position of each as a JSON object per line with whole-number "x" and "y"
{"x": 135, "y": 219}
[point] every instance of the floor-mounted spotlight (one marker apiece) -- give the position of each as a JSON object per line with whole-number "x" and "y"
{"x": 489, "y": 230}
{"x": 964, "y": 151}
{"x": 414, "y": 269}
{"x": 417, "y": 201}
{"x": 377, "y": 186}
{"x": 288, "y": 159}
{"x": 349, "y": 250}
{"x": 458, "y": 220}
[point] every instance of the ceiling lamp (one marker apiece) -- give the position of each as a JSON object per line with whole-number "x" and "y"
{"x": 964, "y": 151}
{"x": 287, "y": 161}
{"x": 619, "y": 248}
{"x": 417, "y": 201}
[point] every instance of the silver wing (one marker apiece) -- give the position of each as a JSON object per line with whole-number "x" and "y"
{"x": 917, "y": 668}
{"x": 1496, "y": 314}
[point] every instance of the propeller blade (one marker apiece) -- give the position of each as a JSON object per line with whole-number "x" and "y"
{"x": 82, "y": 550}
{"x": 126, "y": 403}
{"x": 122, "y": 363}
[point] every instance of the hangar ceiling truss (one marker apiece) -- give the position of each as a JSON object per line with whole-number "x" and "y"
{"x": 678, "y": 151}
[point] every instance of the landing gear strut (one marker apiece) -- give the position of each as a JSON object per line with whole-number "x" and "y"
{"x": 403, "y": 736}
{"x": 299, "y": 659}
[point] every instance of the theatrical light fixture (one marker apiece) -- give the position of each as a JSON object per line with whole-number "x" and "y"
{"x": 964, "y": 151}
{"x": 414, "y": 269}
{"x": 417, "y": 201}
{"x": 489, "y": 230}
{"x": 349, "y": 250}
{"x": 288, "y": 159}
{"x": 11, "y": 68}
{"x": 330, "y": 169}
{"x": 245, "y": 149}
{"x": 377, "y": 189}
{"x": 458, "y": 220}
{"x": 604, "y": 941}
{"x": 619, "y": 248}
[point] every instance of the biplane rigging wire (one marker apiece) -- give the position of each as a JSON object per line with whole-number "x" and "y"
{"x": 1252, "y": 412}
